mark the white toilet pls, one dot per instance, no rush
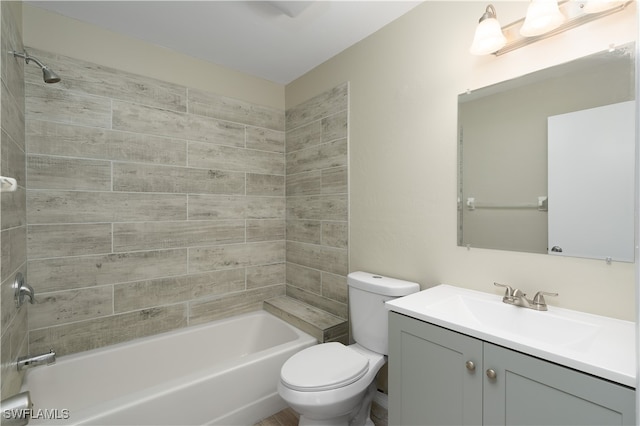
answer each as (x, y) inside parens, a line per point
(334, 384)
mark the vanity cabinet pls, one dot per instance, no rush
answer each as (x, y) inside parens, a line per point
(441, 377)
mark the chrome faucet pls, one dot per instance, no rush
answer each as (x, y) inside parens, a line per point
(518, 297)
(33, 361)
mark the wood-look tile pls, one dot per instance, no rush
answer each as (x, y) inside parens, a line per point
(322, 105)
(133, 177)
(307, 183)
(68, 273)
(328, 307)
(153, 121)
(204, 207)
(265, 230)
(68, 173)
(335, 126)
(13, 206)
(69, 306)
(261, 184)
(215, 106)
(68, 240)
(305, 278)
(318, 257)
(201, 311)
(335, 287)
(13, 159)
(202, 259)
(169, 290)
(335, 234)
(12, 117)
(61, 139)
(13, 251)
(266, 208)
(323, 207)
(265, 139)
(81, 206)
(327, 155)
(43, 102)
(265, 275)
(236, 159)
(335, 181)
(161, 235)
(303, 137)
(305, 231)
(85, 335)
(98, 80)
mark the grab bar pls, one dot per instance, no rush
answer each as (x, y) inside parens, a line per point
(541, 205)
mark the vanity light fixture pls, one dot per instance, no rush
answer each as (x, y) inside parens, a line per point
(488, 37)
(542, 17)
(597, 6)
(562, 16)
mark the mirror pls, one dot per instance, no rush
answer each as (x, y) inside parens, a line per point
(546, 161)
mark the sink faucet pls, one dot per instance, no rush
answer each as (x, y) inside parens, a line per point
(32, 361)
(518, 297)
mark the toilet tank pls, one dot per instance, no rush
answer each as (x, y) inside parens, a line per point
(369, 317)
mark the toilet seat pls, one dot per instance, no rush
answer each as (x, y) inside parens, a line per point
(323, 367)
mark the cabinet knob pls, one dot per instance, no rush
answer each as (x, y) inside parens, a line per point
(491, 373)
(471, 366)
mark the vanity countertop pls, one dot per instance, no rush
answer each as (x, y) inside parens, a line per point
(598, 345)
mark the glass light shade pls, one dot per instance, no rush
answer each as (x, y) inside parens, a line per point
(597, 6)
(488, 38)
(542, 16)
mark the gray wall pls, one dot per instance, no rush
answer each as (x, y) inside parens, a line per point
(13, 253)
(317, 200)
(151, 206)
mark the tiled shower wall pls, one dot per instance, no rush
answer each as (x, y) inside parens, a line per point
(150, 206)
(13, 219)
(317, 201)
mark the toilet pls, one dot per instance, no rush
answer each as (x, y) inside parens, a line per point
(334, 384)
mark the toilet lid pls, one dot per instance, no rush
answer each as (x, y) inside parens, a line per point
(323, 367)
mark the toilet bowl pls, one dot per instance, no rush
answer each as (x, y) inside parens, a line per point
(333, 384)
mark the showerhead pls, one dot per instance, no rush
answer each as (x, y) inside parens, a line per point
(47, 75)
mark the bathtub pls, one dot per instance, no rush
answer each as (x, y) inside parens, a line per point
(221, 373)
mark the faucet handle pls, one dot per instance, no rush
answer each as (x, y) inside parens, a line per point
(538, 299)
(508, 289)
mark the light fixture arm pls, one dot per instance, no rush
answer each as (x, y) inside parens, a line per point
(489, 13)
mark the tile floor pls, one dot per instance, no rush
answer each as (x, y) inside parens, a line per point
(288, 417)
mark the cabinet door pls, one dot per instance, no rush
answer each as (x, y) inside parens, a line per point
(530, 391)
(429, 382)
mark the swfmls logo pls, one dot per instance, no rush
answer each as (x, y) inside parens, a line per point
(44, 414)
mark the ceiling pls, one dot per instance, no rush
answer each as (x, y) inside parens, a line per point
(275, 40)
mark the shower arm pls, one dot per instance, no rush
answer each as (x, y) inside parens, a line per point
(28, 58)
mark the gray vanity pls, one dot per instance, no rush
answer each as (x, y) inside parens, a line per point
(461, 357)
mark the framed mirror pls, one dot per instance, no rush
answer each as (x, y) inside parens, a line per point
(546, 161)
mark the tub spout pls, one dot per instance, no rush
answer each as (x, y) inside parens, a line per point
(33, 361)
(16, 410)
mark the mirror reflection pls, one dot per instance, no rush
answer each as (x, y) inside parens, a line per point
(546, 160)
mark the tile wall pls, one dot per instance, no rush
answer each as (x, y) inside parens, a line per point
(151, 206)
(317, 201)
(13, 220)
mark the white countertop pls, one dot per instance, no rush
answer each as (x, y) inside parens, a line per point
(598, 345)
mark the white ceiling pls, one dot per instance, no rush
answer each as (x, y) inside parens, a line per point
(277, 41)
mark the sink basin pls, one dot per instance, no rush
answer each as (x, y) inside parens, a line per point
(544, 327)
(595, 344)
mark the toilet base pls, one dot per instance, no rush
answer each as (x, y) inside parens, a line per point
(360, 418)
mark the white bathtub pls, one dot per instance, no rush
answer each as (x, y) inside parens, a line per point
(222, 373)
